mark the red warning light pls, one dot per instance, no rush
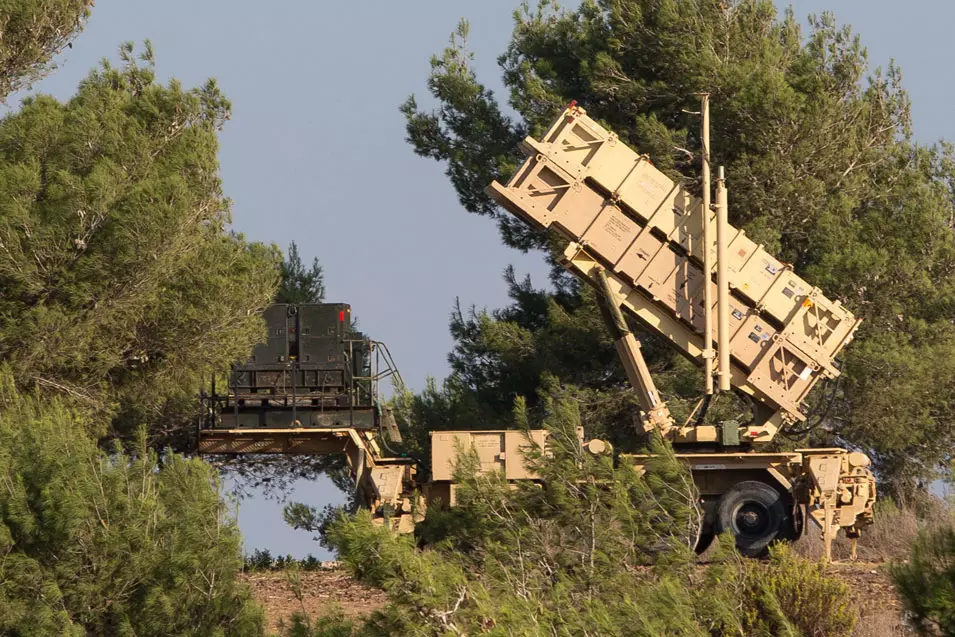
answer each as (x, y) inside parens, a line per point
(341, 316)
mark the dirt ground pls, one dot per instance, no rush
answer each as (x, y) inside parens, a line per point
(322, 590)
(880, 609)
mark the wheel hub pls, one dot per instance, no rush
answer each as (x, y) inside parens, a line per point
(751, 518)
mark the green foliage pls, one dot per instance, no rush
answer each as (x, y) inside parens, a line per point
(580, 497)
(110, 544)
(592, 549)
(263, 560)
(33, 32)
(792, 596)
(504, 355)
(333, 624)
(122, 284)
(821, 169)
(515, 559)
(260, 560)
(122, 287)
(300, 285)
(926, 582)
(469, 132)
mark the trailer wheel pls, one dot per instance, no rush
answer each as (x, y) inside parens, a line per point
(704, 541)
(754, 512)
(796, 523)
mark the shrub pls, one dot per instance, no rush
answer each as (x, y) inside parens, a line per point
(260, 560)
(110, 544)
(794, 596)
(926, 583)
(263, 560)
(330, 625)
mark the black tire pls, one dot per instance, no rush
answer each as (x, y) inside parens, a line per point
(756, 515)
(703, 542)
(796, 523)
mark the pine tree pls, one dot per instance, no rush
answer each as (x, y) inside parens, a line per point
(120, 283)
(123, 285)
(33, 32)
(300, 285)
(926, 581)
(110, 543)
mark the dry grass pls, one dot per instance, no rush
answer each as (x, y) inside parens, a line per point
(888, 539)
(890, 536)
(873, 594)
(883, 624)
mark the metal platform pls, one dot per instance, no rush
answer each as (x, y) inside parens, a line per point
(283, 441)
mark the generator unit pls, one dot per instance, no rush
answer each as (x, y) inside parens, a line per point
(313, 370)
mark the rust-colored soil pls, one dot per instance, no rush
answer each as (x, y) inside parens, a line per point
(870, 584)
(880, 611)
(322, 591)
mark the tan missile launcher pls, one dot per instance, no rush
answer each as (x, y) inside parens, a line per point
(647, 245)
(623, 216)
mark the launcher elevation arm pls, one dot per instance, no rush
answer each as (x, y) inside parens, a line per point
(656, 414)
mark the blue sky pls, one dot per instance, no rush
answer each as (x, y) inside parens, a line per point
(315, 150)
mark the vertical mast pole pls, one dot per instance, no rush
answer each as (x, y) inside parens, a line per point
(708, 248)
(722, 283)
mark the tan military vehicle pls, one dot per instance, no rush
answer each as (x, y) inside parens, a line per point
(669, 262)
